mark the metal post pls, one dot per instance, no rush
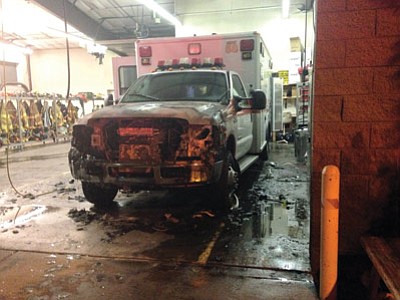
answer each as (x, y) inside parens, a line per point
(329, 232)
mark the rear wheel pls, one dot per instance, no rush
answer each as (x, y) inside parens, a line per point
(99, 194)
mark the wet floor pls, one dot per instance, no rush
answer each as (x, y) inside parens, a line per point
(167, 236)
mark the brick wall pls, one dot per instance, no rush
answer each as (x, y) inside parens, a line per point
(356, 116)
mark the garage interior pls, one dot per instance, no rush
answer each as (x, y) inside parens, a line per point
(159, 244)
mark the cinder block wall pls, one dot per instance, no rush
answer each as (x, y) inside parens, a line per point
(356, 121)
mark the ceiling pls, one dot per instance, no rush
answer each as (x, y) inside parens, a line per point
(40, 24)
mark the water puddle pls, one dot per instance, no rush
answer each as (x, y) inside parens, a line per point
(12, 216)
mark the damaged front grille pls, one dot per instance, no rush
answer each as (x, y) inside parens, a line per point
(149, 141)
(146, 151)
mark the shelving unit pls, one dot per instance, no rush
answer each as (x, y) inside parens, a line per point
(289, 106)
(277, 104)
(302, 104)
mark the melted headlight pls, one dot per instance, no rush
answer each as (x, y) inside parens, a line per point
(204, 133)
(200, 141)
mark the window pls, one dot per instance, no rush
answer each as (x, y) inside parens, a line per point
(238, 88)
(191, 85)
(10, 70)
(127, 75)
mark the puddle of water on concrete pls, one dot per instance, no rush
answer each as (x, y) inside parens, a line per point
(11, 216)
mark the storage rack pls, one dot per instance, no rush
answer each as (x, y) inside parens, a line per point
(303, 104)
(26, 118)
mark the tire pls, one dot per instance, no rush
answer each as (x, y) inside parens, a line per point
(99, 194)
(223, 191)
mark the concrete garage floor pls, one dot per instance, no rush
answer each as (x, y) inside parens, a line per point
(153, 245)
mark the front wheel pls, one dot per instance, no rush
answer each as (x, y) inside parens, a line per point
(223, 191)
(99, 194)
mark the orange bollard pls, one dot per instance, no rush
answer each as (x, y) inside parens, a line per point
(329, 232)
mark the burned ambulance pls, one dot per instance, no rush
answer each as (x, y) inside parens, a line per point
(190, 124)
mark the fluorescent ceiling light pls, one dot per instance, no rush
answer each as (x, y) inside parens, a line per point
(285, 8)
(96, 48)
(151, 4)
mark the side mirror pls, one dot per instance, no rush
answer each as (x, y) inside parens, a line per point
(241, 103)
(109, 101)
(259, 99)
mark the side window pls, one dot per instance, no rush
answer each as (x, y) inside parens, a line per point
(127, 75)
(238, 88)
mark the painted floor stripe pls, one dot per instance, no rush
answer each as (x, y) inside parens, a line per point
(203, 258)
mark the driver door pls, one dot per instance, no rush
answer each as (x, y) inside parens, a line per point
(244, 120)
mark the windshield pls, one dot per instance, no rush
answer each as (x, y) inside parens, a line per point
(204, 86)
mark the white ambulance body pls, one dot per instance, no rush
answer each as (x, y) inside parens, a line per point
(197, 116)
(244, 53)
(124, 73)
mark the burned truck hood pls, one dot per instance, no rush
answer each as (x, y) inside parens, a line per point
(194, 112)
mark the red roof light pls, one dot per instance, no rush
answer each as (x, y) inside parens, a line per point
(247, 45)
(219, 62)
(175, 62)
(145, 51)
(195, 62)
(194, 48)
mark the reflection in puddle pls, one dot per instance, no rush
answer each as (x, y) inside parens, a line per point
(274, 219)
(11, 216)
(276, 236)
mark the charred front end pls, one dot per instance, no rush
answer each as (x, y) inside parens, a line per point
(145, 152)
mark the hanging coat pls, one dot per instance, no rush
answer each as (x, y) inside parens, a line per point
(71, 113)
(5, 120)
(56, 116)
(24, 117)
(31, 117)
(39, 105)
(12, 113)
(46, 115)
(37, 120)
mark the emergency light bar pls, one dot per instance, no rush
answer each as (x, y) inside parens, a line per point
(193, 63)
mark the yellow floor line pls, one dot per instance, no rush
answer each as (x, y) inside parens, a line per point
(203, 258)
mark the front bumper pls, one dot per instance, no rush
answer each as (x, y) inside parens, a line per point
(137, 175)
